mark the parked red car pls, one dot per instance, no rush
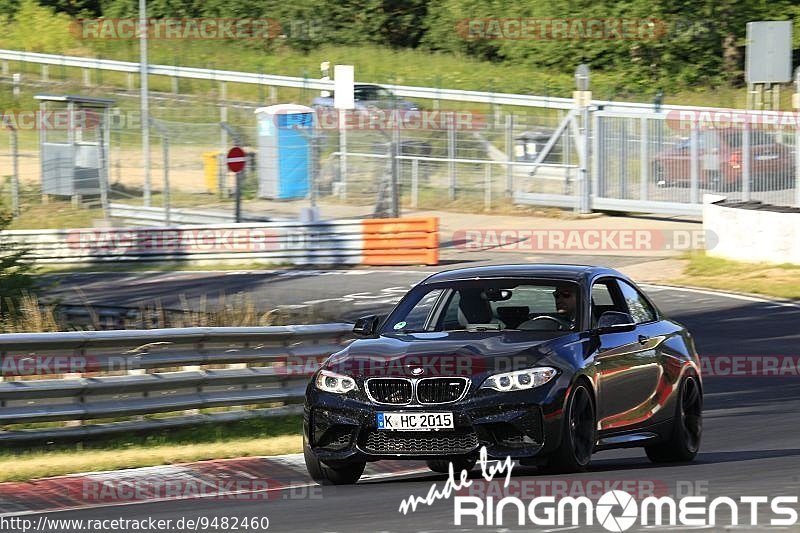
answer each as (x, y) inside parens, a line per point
(720, 157)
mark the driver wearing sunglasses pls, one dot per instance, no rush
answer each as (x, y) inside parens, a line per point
(566, 302)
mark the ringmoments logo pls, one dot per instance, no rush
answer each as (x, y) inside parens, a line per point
(618, 510)
(615, 510)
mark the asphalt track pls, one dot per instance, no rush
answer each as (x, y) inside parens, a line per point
(342, 294)
(751, 443)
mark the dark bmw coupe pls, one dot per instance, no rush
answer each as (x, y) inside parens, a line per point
(545, 364)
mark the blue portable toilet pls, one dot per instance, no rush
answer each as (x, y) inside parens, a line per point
(284, 151)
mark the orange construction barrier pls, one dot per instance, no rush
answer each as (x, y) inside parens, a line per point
(401, 241)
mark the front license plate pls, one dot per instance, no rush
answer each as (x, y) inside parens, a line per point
(415, 421)
(766, 157)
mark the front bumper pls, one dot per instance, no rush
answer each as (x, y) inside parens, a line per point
(518, 424)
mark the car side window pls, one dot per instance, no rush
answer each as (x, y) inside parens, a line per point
(417, 318)
(602, 300)
(638, 307)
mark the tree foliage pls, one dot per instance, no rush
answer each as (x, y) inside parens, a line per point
(16, 275)
(699, 41)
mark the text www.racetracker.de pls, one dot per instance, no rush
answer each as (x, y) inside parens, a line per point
(201, 523)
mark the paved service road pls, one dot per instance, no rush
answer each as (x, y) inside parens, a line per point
(751, 442)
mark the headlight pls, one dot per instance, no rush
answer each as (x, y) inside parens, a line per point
(335, 383)
(520, 379)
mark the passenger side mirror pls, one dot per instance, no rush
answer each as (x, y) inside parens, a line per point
(367, 325)
(614, 322)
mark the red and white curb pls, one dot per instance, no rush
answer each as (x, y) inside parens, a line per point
(256, 478)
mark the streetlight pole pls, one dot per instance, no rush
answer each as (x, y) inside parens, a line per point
(583, 99)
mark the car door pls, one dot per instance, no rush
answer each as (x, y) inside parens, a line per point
(627, 372)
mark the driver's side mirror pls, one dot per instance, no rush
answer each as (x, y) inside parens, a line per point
(367, 326)
(614, 322)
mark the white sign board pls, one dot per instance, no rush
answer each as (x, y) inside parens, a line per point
(769, 52)
(343, 78)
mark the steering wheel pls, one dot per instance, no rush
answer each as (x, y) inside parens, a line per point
(562, 323)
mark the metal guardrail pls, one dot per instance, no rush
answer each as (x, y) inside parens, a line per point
(522, 100)
(407, 241)
(88, 375)
(141, 214)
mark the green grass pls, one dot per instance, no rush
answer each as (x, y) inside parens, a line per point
(781, 281)
(253, 437)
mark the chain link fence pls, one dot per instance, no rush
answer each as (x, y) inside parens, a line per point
(432, 157)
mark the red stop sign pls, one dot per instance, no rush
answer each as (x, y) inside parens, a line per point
(236, 159)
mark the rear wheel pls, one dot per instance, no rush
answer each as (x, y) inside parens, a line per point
(579, 435)
(687, 432)
(459, 463)
(324, 474)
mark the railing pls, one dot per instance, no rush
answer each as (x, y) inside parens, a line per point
(88, 375)
(139, 215)
(407, 241)
(306, 83)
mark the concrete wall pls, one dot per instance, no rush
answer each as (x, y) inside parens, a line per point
(752, 235)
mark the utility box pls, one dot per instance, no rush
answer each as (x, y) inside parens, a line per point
(284, 151)
(74, 144)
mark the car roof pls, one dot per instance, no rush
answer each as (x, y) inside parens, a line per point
(576, 273)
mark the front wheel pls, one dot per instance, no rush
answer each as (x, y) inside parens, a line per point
(578, 434)
(684, 443)
(344, 474)
(459, 463)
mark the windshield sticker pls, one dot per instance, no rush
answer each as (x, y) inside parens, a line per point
(400, 325)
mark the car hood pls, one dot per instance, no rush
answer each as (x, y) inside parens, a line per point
(468, 354)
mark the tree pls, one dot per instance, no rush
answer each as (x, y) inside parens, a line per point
(16, 274)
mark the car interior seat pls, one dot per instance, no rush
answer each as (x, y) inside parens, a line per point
(474, 308)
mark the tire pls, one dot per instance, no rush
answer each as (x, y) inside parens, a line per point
(684, 443)
(579, 434)
(345, 474)
(442, 466)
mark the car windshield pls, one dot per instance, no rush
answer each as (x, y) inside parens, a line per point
(372, 93)
(489, 305)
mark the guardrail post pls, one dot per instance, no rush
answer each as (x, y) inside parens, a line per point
(15, 81)
(45, 74)
(131, 85)
(87, 77)
(5, 67)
